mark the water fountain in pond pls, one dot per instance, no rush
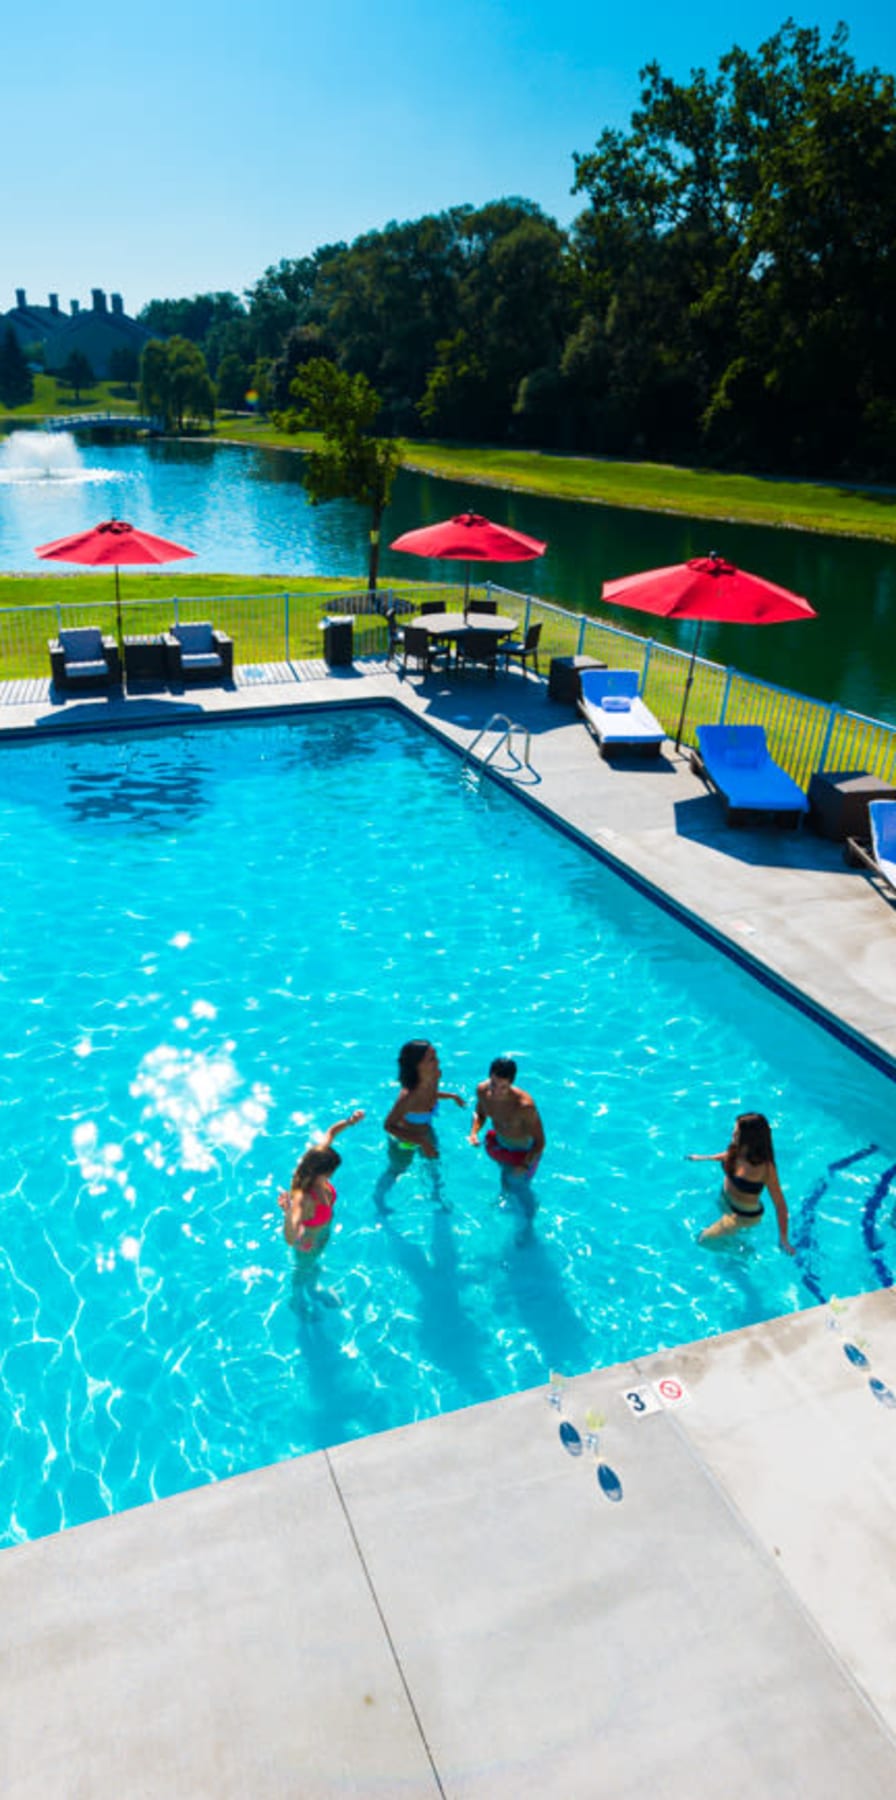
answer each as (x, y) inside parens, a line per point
(30, 456)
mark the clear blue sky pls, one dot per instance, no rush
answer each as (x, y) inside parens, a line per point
(167, 150)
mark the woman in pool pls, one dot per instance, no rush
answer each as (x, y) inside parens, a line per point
(308, 1204)
(410, 1122)
(748, 1166)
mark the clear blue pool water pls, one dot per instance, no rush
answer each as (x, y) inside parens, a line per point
(213, 942)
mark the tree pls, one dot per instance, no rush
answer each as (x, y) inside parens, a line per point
(739, 257)
(16, 381)
(352, 465)
(233, 382)
(175, 384)
(124, 365)
(77, 373)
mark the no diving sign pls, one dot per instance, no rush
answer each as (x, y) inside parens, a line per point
(656, 1396)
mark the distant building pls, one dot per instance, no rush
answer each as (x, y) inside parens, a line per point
(96, 333)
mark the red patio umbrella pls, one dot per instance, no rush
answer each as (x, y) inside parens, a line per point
(706, 587)
(470, 538)
(113, 542)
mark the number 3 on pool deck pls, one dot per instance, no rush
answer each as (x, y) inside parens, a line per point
(641, 1400)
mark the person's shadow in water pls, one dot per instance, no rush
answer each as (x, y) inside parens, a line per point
(338, 1394)
(535, 1287)
(449, 1339)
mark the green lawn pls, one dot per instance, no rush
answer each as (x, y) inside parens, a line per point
(53, 397)
(652, 487)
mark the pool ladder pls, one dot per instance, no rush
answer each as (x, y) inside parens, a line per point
(506, 737)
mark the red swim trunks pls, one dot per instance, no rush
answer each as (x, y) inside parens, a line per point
(509, 1159)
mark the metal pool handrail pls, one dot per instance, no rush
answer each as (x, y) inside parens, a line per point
(506, 738)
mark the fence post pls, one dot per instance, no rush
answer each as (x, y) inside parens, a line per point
(648, 649)
(176, 614)
(286, 623)
(527, 614)
(583, 626)
(729, 677)
(833, 715)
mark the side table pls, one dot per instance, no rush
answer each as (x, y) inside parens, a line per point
(838, 801)
(563, 682)
(145, 658)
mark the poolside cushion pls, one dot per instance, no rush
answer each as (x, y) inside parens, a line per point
(882, 820)
(737, 764)
(614, 712)
(196, 640)
(83, 644)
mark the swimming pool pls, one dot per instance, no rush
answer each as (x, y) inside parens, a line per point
(214, 941)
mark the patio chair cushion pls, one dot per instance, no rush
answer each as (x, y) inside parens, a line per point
(616, 703)
(83, 644)
(196, 640)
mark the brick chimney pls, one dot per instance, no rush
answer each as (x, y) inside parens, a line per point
(54, 303)
(99, 300)
(21, 302)
(118, 305)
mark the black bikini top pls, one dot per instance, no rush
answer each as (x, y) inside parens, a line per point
(744, 1186)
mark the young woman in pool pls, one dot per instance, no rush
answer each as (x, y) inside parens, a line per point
(308, 1204)
(748, 1166)
(410, 1121)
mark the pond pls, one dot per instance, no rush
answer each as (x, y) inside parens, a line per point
(244, 510)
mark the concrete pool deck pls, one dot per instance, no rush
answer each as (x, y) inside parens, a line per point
(456, 1607)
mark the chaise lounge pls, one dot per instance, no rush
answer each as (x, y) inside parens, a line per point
(615, 714)
(198, 652)
(881, 858)
(735, 760)
(82, 658)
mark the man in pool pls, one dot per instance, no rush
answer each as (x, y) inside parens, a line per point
(516, 1138)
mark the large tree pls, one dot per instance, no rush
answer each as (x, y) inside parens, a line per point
(353, 464)
(175, 385)
(738, 258)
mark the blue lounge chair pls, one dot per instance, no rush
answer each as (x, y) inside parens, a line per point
(736, 762)
(881, 858)
(614, 712)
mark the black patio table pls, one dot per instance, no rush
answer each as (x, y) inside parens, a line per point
(447, 627)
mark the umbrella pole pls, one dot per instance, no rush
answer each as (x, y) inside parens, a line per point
(118, 611)
(687, 685)
(466, 592)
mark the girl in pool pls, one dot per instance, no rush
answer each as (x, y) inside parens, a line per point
(410, 1122)
(308, 1204)
(748, 1166)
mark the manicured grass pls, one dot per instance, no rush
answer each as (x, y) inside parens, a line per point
(651, 487)
(53, 397)
(660, 487)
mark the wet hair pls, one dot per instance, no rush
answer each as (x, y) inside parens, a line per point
(504, 1067)
(314, 1162)
(410, 1056)
(751, 1140)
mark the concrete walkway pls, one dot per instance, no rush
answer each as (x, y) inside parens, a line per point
(457, 1607)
